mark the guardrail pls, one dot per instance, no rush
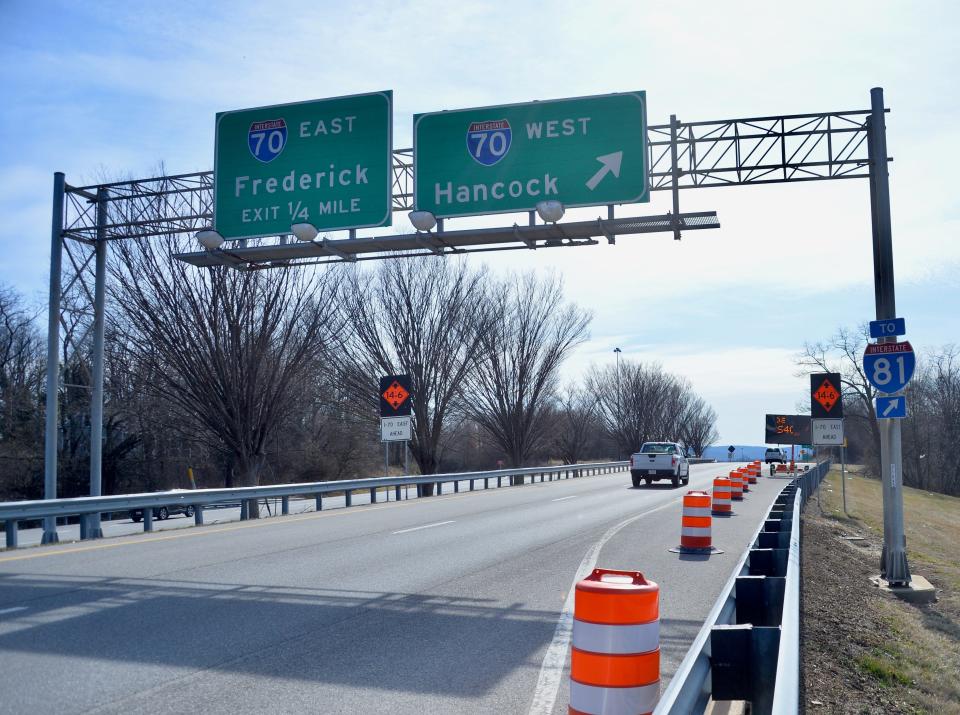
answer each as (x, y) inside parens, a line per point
(84, 507)
(749, 646)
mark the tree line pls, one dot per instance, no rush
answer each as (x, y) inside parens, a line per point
(930, 433)
(222, 377)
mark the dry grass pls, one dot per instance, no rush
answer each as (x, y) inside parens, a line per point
(919, 657)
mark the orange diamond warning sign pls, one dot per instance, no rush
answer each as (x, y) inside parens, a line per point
(825, 398)
(395, 396)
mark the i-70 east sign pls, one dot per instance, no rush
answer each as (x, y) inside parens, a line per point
(327, 162)
(583, 151)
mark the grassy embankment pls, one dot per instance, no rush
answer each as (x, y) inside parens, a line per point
(922, 655)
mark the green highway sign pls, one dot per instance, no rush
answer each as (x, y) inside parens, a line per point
(327, 162)
(582, 151)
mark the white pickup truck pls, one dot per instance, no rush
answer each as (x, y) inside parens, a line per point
(660, 460)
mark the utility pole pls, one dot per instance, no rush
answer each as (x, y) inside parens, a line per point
(893, 559)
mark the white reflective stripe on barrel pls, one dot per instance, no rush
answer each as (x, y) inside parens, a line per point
(721, 500)
(696, 511)
(694, 531)
(614, 701)
(601, 638)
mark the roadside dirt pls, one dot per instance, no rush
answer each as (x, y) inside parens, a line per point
(865, 651)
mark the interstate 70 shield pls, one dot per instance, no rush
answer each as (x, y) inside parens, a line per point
(489, 142)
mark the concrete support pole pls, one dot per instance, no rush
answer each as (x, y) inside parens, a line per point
(893, 567)
(94, 531)
(53, 358)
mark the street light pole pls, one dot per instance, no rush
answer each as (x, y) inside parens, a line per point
(617, 352)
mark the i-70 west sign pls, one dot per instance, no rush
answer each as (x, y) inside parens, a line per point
(583, 151)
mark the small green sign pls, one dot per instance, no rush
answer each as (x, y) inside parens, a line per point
(325, 162)
(583, 151)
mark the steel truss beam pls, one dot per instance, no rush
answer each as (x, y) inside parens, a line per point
(727, 152)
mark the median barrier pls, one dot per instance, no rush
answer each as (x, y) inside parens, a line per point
(615, 651)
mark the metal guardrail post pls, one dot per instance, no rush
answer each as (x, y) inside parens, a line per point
(319, 502)
(284, 505)
(198, 514)
(397, 493)
(11, 530)
(373, 495)
(148, 519)
(348, 497)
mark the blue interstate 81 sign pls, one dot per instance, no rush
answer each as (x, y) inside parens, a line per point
(889, 366)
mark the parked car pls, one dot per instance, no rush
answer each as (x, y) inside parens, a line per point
(775, 455)
(660, 460)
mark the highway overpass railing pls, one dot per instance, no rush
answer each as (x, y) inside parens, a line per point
(749, 646)
(11, 513)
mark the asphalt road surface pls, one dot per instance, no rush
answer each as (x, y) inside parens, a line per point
(439, 605)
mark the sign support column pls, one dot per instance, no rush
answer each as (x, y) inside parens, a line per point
(94, 530)
(893, 560)
(53, 358)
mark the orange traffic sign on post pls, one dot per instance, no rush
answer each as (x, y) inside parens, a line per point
(826, 400)
(395, 396)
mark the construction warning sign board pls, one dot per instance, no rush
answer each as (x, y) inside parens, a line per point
(395, 396)
(787, 429)
(826, 400)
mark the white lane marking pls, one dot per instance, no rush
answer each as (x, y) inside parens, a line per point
(551, 671)
(13, 610)
(565, 498)
(425, 526)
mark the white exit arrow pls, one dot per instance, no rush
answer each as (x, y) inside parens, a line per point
(611, 163)
(891, 406)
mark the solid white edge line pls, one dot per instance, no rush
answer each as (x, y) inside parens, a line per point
(13, 610)
(551, 670)
(425, 526)
(572, 496)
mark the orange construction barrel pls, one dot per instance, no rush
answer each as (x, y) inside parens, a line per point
(744, 479)
(615, 658)
(736, 486)
(722, 493)
(695, 521)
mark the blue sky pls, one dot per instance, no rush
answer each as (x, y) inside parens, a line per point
(114, 89)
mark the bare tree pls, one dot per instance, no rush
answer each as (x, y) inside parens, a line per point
(640, 403)
(843, 353)
(21, 388)
(425, 318)
(575, 424)
(521, 354)
(698, 429)
(932, 431)
(227, 348)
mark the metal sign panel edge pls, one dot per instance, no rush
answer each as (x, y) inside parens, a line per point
(640, 94)
(387, 94)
